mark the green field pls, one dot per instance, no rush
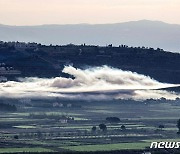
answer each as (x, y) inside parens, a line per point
(16, 150)
(45, 130)
(109, 147)
(25, 127)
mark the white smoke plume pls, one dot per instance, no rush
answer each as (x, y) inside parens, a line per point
(97, 83)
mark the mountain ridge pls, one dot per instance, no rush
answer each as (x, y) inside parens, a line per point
(136, 33)
(115, 23)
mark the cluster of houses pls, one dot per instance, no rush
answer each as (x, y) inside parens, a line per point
(65, 119)
(20, 45)
(7, 70)
(60, 105)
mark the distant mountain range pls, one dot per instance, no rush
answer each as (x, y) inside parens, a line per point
(136, 33)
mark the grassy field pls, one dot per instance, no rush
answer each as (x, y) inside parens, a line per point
(16, 150)
(108, 147)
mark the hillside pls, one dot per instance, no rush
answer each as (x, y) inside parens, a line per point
(48, 61)
(136, 33)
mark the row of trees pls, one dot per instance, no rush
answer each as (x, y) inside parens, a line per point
(7, 107)
(103, 127)
(178, 126)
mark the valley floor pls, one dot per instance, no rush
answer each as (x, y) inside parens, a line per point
(38, 129)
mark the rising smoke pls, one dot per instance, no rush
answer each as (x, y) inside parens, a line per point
(97, 83)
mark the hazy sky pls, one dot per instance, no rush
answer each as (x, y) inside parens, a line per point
(36, 12)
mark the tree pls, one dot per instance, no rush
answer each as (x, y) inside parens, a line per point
(16, 137)
(161, 126)
(103, 127)
(93, 128)
(123, 127)
(178, 126)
